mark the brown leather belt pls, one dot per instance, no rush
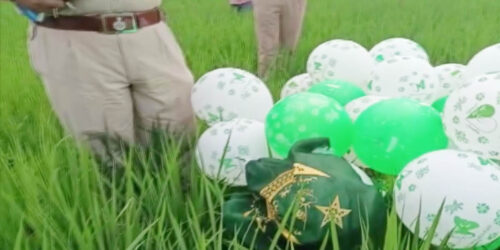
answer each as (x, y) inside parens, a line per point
(107, 23)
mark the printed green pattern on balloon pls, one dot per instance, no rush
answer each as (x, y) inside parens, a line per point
(422, 172)
(213, 117)
(317, 65)
(497, 219)
(484, 162)
(454, 207)
(463, 226)
(244, 150)
(238, 76)
(228, 164)
(483, 111)
(421, 85)
(399, 181)
(482, 208)
(431, 217)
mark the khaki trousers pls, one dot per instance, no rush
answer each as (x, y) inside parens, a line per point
(278, 24)
(119, 85)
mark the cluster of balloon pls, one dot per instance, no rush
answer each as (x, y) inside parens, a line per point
(227, 93)
(468, 195)
(411, 120)
(235, 104)
(465, 186)
(390, 110)
(308, 115)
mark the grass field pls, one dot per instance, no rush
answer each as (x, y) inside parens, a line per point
(53, 196)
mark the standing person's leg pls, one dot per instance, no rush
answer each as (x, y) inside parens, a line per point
(161, 91)
(86, 84)
(161, 81)
(267, 27)
(291, 22)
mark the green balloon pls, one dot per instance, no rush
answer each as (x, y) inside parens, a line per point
(305, 116)
(391, 133)
(439, 104)
(341, 91)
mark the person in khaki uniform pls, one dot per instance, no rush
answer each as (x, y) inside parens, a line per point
(111, 67)
(278, 24)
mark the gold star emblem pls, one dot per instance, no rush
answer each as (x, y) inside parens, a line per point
(333, 212)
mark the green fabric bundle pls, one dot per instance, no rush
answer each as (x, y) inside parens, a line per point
(305, 193)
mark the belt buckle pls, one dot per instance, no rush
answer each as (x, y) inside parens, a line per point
(119, 24)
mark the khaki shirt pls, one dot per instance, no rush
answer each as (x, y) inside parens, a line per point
(84, 7)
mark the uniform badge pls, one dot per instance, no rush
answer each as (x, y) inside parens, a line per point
(119, 24)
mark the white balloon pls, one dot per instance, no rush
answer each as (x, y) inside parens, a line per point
(407, 77)
(227, 93)
(451, 77)
(468, 185)
(395, 47)
(340, 60)
(485, 62)
(471, 116)
(225, 148)
(296, 84)
(354, 108)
